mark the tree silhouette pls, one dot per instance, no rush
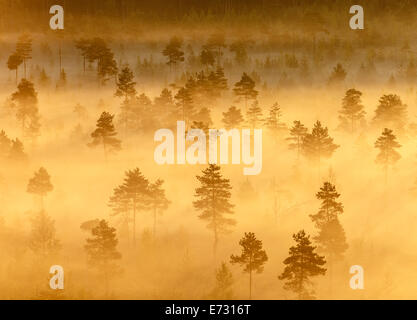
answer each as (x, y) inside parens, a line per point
(224, 282)
(24, 49)
(102, 251)
(132, 195)
(232, 118)
(252, 257)
(207, 58)
(387, 143)
(273, 121)
(165, 101)
(297, 134)
(125, 84)
(239, 49)
(96, 49)
(184, 103)
(330, 208)
(173, 52)
(391, 112)
(43, 78)
(17, 153)
(331, 238)
(106, 66)
(254, 115)
(42, 238)
(318, 144)
(5, 145)
(157, 201)
(14, 62)
(338, 75)
(302, 264)
(83, 45)
(40, 184)
(352, 110)
(216, 43)
(245, 88)
(105, 134)
(27, 109)
(218, 81)
(213, 201)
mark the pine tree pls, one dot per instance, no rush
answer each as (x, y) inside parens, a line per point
(80, 111)
(302, 264)
(318, 144)
(297, 134)
(232, 118)
(27, 108)
(184, 103)
(121, 208)
(40, 184)
(253, 257)
(207, 58)
(125, 84)
(43, 78)
(42, 238)
(14, 62)
(245, 89)
(213, 201)
(219, 80)
(224, 282)
(173, 52)
(254, 115)
(157, 201)
(338, 75)
(24, 49)
(5, 145)
(102, 251)
(165, 102)
(133, 195)
(17, 153)
(105, 134)
(106, 66)
(330, 208)
(391, 112)
(239, 49)
(83, 45)
(387, 156)
(331, 238)
(273, 121)
(215, 43)
(352, 110)
(332, 241)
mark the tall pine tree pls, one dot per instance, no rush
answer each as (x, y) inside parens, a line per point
(213, 201)
(105, 134)
(302, 264)
(252, 258)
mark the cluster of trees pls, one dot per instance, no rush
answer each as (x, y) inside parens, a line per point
(97, 50)
(213, 201)
(22, 53)
(137, 194)
(188, 99)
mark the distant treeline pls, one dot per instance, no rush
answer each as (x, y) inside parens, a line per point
(25, 13)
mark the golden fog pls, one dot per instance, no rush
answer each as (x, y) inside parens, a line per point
(292, 63)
